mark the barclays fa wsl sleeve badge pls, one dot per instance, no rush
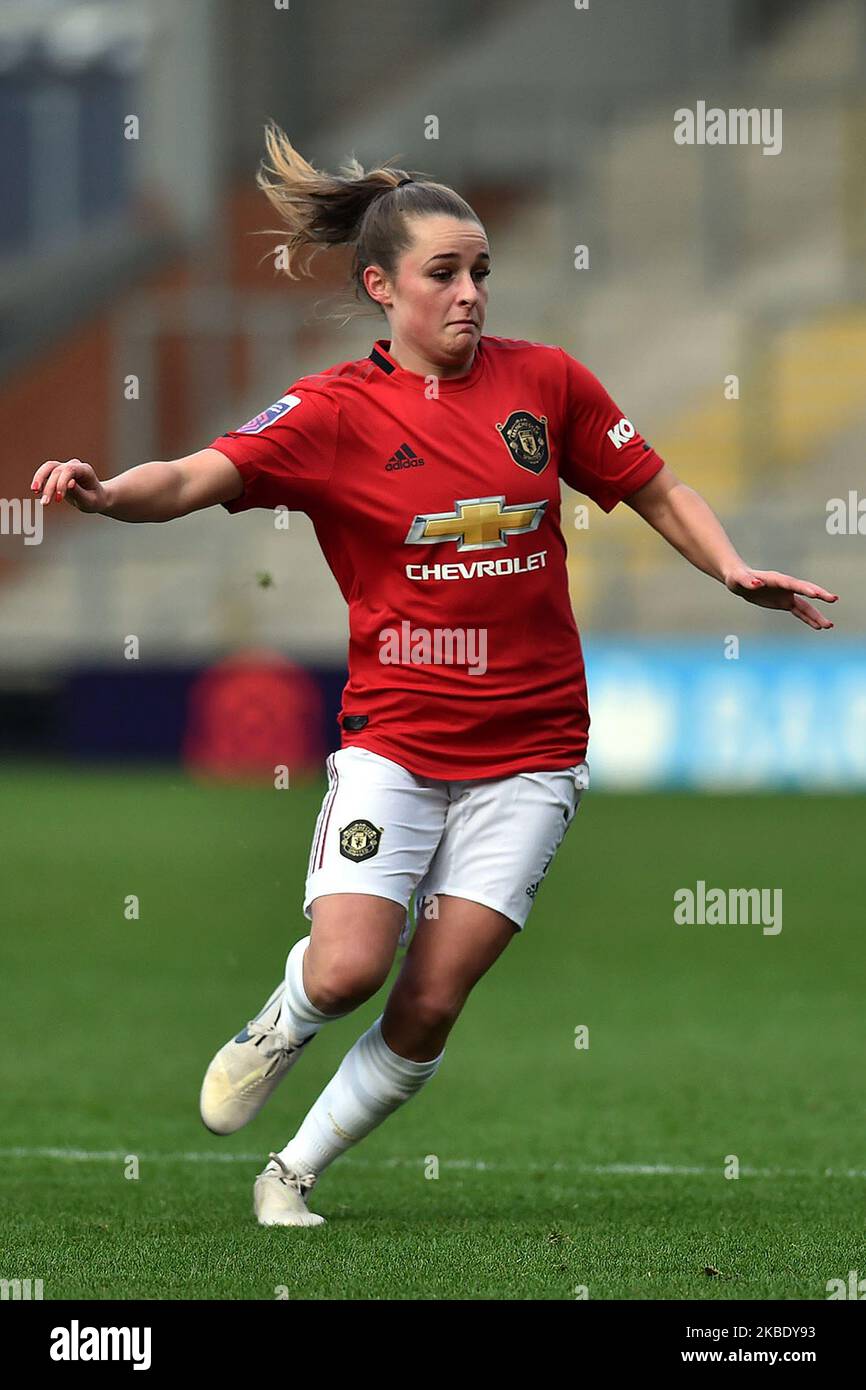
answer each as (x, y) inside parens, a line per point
(359, 840)
(525, 437)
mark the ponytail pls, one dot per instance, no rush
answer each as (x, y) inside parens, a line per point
(367, 210)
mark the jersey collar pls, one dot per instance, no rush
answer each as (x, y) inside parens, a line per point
(382, 357)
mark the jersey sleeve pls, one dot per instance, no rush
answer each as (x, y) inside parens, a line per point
(602, 455)
(286, 454)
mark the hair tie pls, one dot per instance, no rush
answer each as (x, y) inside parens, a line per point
(402, 181)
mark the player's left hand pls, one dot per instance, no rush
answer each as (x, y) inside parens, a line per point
(773, 590)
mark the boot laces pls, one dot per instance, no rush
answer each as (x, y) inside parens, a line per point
(269, 1040)
(301, 1182)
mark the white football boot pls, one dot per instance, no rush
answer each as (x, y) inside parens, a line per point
(247, 1070)
(280, 1196)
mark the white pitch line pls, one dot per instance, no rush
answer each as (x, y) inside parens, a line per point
(479, 1165)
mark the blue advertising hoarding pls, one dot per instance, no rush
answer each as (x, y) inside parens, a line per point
(670, 712)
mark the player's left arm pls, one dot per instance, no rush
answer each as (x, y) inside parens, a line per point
(690, 525)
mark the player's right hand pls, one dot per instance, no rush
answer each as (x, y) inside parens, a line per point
(73, 480)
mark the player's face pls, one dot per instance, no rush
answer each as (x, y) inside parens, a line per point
(438, 302)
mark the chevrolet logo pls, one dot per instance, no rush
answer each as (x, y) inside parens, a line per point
(478, 523)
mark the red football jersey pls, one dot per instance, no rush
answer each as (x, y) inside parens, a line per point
(436, 502)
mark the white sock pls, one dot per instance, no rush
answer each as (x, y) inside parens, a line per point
(370, 1083)
(299, 1018)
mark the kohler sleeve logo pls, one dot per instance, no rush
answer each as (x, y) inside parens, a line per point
(621, 433)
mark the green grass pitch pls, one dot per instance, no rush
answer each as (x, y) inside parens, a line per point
(559, 1169)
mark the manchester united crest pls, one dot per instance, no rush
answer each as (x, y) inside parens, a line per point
(525, 437)
(359, 840)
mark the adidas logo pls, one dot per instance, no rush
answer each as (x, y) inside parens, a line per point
(405, 457)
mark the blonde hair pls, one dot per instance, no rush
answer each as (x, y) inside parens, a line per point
(367, 210)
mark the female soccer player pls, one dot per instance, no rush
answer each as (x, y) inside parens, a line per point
(430, 470)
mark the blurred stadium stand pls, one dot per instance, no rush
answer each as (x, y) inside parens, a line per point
(126, 258)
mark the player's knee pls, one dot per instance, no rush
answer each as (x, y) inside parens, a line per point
(427, 1010)
(340, 986)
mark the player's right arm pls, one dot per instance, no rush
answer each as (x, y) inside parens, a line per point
(150, 492)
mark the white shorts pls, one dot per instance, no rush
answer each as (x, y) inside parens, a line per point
(386, 831)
